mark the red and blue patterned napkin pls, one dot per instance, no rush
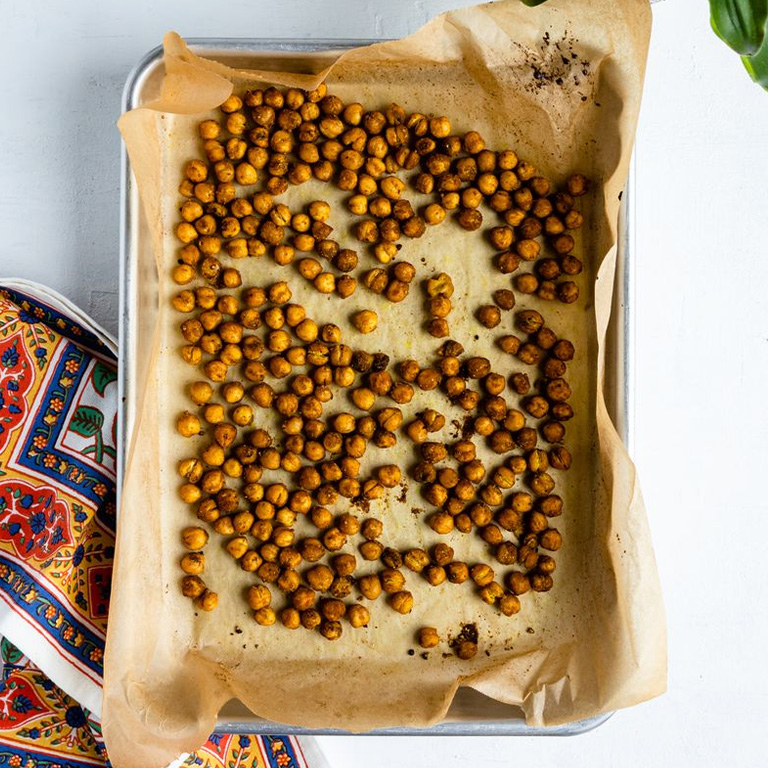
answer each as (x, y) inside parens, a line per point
(58, 451)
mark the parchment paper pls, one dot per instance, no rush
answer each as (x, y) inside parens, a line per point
(560, 84)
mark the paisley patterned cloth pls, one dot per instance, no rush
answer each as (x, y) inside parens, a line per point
(58, 451)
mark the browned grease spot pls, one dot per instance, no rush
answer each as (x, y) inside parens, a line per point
(468, 631)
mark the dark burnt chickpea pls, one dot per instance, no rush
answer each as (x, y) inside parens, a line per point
(563, 350)
(562, 411)
(567, 292)
(570, 265)
(560, 458)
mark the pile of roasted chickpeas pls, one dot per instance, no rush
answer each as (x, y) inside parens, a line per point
(256, 350)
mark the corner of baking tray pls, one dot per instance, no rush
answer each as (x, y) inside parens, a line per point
(132, 82)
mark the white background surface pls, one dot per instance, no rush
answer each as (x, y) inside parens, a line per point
(702, 339)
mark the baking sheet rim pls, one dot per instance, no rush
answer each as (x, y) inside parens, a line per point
(618, 360)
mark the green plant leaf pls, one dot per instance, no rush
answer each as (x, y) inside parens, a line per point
(103, 376)
(740, 23)
(10, 653)
(532, 3)
(757, 65)
(87, 421)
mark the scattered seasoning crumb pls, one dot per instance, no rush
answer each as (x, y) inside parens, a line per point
(403, 492)
(411, 652)
(530, 630)
(425, 655)
(238, 631)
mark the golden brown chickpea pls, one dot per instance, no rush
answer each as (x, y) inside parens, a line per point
(358, 616)
(331, 630)
(441, 522)
(208, 601)
(457, 572)
(551, 539)
(310, 618)
(265, 617)
(192, 470)
(489, 316)
(192, 586)
(428, 637)
(518, 583)
(376, 280)
(466, 649)
(369, 586)
(194, 538)
(325, 282)
(319, 577)
(529, 321)
(184, 301)
(491, 593)
(188, 425)
(363, 398)
(237, 546)
(541, 582)
(193, 563)
(402, 602)
(389, 476)
(440, 127)
(509, 604)
(371, 550)
(481, 574)
(365, 321)
(470, 219)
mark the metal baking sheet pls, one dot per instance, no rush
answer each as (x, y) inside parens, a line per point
(471, 713)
